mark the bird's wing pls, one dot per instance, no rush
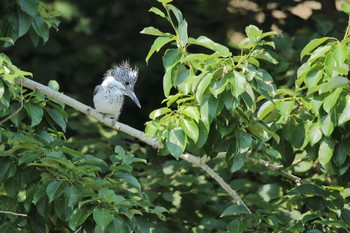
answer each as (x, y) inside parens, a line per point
(96, 89)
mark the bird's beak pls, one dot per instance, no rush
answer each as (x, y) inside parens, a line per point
(132, 95)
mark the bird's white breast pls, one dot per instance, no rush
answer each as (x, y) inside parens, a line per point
(109, 98)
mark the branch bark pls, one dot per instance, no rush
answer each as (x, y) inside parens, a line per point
(89, 111)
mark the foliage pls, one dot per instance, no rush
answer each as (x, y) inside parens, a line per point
(217, 99)
(21, 17)
(216, 102)
(46, 185)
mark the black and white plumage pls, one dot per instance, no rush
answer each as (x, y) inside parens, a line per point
(118, 82)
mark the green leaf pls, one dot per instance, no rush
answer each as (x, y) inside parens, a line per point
(129, 179)
(55, 189)
(333, 83)
(176, 12)
(308, 189)
(4, 167)
(339, 53)
(24, 22)
(253, 33)
(325, 151)
(237, 226)
(102, 217)
(345, 213)
(167, 81)
(157, 45)
(331, 100)
(57, 118)
(208, 43)
(313, 77)
(328, 124)
(233, 210)
(312, 45)
(7, 39)
(176, 142)
(154, 32)
(190, 128)
(171, 57)
(40, 28)
(28, 157)
(108, 195)
(202, 86)
(182, 30)
(218, 87)
(159, 112)
(238, 84)
(78, 218)
(315, 134)
(73, 195)
(265, 84)
(165, 1)
(236, 162)
(345, 115)
(30, 7)
(156, 11)
(35, 113)
(2, 88)
(191, 112)
(265, 109)
(243, 141)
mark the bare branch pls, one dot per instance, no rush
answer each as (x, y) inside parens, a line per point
(128, 130)
(12, 213)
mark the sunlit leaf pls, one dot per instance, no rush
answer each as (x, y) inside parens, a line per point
(157, 45)
(238, 84)
(208, 43)
(190, 128)
(183, 32)
(176, 142)
(154, 32)
(234, 209)
(253, 33)
(156, 11)
(345, 115)
(331, 100)
(312, 45)
(335, 82)
(325, 151)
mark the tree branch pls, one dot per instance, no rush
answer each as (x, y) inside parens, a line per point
(197, 161)
(269, 166)
(12, 213)
(47, 91)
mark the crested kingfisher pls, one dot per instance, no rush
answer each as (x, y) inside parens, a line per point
(118, 82)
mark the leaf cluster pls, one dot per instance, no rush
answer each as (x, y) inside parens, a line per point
(22, 17)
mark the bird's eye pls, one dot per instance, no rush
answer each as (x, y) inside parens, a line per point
(127, 83)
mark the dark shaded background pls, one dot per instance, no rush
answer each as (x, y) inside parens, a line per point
(94, 35)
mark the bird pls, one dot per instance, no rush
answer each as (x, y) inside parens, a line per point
(118, 82)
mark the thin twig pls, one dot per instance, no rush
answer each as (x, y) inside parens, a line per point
(12, 213)
(278, 169)
(128, 130)
(270, 166)
(20, 107)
